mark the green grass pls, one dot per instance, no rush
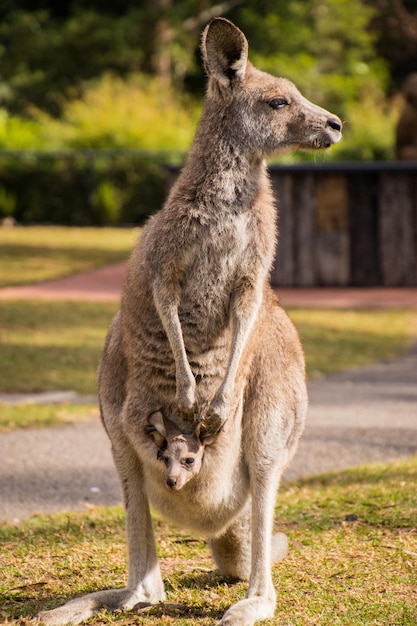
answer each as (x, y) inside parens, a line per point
(56, 345)
(338, 572)
(43, 415)
(337, 340)
(36, 253)
(46, 346)
(51, 345)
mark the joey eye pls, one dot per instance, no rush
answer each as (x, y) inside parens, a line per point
(278, 103)
(189, 461)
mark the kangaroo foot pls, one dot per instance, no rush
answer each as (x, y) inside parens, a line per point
(248, 611)
(80, 609)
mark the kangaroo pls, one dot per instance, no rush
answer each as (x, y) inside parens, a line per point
(200, 337)
(181, 453)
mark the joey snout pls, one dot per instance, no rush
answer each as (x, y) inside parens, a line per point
(179, 472)
(182, 457)
(174, 481)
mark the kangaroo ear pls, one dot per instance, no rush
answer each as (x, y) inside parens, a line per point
(225, 51)
(156, 429)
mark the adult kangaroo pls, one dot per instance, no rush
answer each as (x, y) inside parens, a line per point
(200, 337)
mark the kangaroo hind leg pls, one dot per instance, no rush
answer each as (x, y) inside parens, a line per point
(145, 582)
(232, 549)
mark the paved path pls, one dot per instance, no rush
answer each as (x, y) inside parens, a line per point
(105, 285)
(369, 414)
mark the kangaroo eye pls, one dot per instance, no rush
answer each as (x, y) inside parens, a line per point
(189, 461)
(278, 103)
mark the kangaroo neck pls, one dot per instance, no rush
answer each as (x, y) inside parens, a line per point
(218, 175)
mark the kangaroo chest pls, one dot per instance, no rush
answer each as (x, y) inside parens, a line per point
(212, 269)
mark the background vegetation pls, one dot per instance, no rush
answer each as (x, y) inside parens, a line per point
(83, 75)
(128, 73)
(82, 188)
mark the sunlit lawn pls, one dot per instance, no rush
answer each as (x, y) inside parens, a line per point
(57, 345)
(36, 253)
(361, 571)
(335, 340)
(51, 345)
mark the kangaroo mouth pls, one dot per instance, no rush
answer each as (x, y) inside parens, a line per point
(326, 140)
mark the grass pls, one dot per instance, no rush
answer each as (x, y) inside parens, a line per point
(338, 572)
(339, 340)
(43, 415)
(51, 345)
(36, 253)
(47, 346)
(56, 345)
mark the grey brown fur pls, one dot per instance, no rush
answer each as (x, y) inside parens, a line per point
(200, 337)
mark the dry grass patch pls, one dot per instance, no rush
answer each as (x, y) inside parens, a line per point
(352, 560)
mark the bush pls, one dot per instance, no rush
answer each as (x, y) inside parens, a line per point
(369, 131)
(19, 134)
(81, 187)
(138, 113)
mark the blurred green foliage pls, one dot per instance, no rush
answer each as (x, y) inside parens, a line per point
(138, 113)
(73, 75)
(127, 74)
(324, 46)
(82, 187)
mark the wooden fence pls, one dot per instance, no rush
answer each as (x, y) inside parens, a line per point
(346, 224)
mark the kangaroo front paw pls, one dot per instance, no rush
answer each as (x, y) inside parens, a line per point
(217, 415)
(186, 401)
(186, 409)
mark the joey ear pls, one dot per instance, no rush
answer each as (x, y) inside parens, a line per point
(156, 428)
(225, 51)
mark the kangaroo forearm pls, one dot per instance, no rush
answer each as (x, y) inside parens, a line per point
(168, 312)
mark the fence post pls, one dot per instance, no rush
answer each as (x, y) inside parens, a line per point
(397, 210)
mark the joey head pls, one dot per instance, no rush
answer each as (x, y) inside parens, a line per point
(182, 453)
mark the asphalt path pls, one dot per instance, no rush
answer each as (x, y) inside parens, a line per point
(366, 415)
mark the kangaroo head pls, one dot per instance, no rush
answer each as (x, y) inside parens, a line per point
(267, 114)
(182, 453)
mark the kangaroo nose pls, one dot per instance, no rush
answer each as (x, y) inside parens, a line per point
(171, 482)
(335, 124)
